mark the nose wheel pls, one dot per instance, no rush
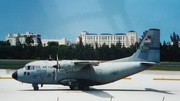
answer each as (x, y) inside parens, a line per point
(35, 86)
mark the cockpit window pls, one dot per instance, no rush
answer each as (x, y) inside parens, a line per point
(31, 67)
(28, 73)
(28, 67)
(24, 73)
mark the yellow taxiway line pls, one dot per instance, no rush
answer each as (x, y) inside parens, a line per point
(177, 79)
(126, 78)
(5, 77)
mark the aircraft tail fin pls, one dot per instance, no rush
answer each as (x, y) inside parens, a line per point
(149, 49)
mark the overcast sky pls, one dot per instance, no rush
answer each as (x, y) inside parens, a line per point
(68, 18)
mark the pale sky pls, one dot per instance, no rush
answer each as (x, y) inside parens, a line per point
(68, 18)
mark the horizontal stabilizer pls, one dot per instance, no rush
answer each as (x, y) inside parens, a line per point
(149, 63)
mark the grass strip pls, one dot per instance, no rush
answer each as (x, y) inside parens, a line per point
(11, 66)
(167, 68)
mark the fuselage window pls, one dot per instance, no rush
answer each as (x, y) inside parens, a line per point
(28, 67)
(28, 73)
(24, 73)
(32, 67)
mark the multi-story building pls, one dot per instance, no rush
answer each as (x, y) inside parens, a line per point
(63, 41)
(126, 40)
(131, 38)
(18, 38)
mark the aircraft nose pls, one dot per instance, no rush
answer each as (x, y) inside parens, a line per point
(15, 75)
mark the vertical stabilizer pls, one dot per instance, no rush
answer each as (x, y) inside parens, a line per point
(149, 49)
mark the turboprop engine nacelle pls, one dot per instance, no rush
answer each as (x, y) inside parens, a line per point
(68, 66)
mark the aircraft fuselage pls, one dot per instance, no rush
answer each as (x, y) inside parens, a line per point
(89, 76)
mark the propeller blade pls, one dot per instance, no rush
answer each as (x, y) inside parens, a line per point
(55, 72)
(57, 62)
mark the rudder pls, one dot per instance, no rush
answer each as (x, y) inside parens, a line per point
(149, 49)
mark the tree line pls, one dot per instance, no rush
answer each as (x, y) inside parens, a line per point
(168, 52)
(79, 51)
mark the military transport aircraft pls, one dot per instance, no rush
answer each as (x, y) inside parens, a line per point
(80, 74)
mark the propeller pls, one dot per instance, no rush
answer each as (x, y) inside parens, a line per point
(55, 73)
(57, 62)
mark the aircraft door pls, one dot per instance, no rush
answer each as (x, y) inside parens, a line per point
(99, 73)
(86, 74)
(42, 75)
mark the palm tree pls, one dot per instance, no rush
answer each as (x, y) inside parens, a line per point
(29, 40)
(39, 41)
(175, 39)
(174, 50)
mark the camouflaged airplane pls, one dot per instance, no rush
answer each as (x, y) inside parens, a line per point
(80, 74)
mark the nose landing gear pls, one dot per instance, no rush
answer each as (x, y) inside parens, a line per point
(35, 86)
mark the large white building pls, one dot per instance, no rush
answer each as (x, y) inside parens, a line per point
(18, 38)
(131, 38)
(127, 39)
(63, 41)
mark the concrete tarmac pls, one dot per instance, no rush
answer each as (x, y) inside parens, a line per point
(141, 87)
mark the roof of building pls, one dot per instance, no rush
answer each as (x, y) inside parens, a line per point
(91, 34)
(154, 29)
(131, 31)
(120, 34)
(105, 34)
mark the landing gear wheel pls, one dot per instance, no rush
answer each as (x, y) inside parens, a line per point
(71, 87)
(79, 87)
(85, 88)
(35, 86)
(74, 87)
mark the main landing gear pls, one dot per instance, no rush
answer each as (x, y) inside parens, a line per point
(76, 87)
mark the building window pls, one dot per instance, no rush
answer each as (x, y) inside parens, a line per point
(104, 37)
(118, 37)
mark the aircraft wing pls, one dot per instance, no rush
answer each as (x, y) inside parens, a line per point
(84, 63)
(77, 65)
